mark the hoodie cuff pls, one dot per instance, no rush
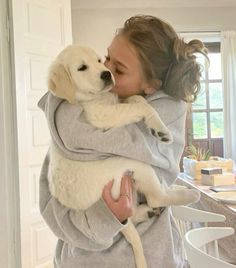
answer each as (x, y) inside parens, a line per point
(103, 223)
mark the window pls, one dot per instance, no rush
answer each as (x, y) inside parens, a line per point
(207, 111)
(205, 126)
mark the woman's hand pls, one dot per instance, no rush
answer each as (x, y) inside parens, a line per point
(122, 208)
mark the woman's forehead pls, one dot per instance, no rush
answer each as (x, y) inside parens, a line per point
(122, 51)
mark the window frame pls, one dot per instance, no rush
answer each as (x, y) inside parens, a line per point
(214, 144)
(213, 47)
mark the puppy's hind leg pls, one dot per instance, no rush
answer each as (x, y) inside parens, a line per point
(180, 197)
(156, 194)
(141, 213)
(148, 183)
(132, 236)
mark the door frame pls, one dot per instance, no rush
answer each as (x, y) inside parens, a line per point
(9, 171)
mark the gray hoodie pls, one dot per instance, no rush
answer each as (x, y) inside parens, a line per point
(91, 238)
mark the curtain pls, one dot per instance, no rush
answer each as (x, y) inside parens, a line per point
(228, 54)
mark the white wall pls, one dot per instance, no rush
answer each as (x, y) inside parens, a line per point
(96, 26)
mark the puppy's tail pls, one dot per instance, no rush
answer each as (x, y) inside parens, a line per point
(132, 236)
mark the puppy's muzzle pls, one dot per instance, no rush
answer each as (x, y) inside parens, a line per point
(106, 77)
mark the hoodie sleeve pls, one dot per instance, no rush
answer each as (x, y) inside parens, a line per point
(133, 141)
(173, 114)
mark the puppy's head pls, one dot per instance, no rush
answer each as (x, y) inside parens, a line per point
(78, 74)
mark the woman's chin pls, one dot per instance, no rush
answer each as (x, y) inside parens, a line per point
(115, 91)
(121, 94)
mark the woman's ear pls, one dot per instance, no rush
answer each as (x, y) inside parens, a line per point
(149, 90)
(156, 85)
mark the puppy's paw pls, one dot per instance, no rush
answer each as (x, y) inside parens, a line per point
(159, 130)
(135, 99)
(142, 213)
(155, 212)
(195, 196)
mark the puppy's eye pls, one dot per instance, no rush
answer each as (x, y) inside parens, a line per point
(99, 60)
(82, 67)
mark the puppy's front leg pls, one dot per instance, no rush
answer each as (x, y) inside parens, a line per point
(152, 119)
(116, 115)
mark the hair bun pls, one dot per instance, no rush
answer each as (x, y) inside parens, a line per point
(184, 51)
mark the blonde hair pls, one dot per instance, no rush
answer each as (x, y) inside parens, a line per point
(164, 56)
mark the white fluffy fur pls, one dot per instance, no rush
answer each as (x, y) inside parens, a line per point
(77, 184)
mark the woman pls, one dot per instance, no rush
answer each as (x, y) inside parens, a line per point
(146, 57)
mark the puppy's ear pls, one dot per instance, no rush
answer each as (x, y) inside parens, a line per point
(60, 82)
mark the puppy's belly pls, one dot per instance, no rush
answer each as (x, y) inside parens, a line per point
(79, 184)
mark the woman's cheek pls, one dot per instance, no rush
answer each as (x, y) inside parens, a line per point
(118, 82)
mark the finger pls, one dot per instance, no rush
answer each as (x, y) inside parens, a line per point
(123, 185)
(129, 181)
(130, 184)
(126, 206)
(130, 189)
(130, 193)
(106, 194)
(107, 188)
(124, 188)
(126, 191)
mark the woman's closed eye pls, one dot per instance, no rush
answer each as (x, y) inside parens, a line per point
(118, 71)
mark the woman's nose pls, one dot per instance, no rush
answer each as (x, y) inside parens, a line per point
(108, 65)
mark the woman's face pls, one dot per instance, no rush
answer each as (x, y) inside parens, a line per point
(122, 60)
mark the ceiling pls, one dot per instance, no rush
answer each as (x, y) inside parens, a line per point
(151, 3)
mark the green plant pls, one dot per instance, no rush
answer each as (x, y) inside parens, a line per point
(197, 153)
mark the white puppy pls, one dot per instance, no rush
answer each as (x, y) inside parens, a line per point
(79, 76)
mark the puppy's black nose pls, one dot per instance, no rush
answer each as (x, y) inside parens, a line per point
(105, 76)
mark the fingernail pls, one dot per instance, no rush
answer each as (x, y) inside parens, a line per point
(128, 173)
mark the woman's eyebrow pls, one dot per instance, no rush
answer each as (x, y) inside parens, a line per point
(117, 61)
(120, 63)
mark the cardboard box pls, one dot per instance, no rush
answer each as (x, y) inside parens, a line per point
(192, 167)
(218, 179)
